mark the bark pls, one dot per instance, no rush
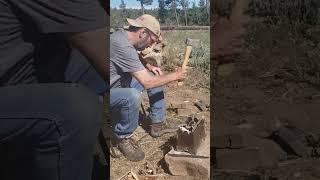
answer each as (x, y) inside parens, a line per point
(175, 11)
(185, 16)
(142, 8)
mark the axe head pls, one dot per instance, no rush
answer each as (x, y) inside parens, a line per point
(195, 43)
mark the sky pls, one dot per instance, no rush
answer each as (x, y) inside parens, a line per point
(134, 4)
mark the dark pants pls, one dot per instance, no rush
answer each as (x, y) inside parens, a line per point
(52, 126)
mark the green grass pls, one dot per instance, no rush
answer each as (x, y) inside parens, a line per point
(176, 47)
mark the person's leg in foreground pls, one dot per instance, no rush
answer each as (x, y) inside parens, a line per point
(58, 123)
(124, 106)
(80, 71)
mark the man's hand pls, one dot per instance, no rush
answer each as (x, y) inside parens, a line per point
(155, 70)
(181, 74)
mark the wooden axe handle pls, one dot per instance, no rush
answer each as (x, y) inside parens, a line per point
(185, 61)
(186, 57)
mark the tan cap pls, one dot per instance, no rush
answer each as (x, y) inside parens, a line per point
(148, 22)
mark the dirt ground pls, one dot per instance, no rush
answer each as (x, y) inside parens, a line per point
(195, 87)
(251, 102)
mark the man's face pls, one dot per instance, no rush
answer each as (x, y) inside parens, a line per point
(146, 39)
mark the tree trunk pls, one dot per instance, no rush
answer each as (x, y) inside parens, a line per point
(185, 16)
(177, 18)
(175, 12)
(142, 8)
(208, 8)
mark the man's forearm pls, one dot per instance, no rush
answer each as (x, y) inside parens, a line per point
(157, 81)
(94, 45)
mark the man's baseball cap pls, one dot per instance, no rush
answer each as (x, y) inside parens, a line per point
(147, 21)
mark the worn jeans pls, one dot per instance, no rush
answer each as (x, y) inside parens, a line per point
(125, 104)
(54, 126)
(79, 70)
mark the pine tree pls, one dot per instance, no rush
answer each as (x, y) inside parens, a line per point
(162, 11)
(202, 3)
(194, 14)
(174, 6)
(185, 4)
(144, 2)
(203, 16)
(122, 7)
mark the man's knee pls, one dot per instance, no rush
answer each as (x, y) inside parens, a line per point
(124, 98)
(80, 109)
(134, 97)
(68, 104)
(91, 112)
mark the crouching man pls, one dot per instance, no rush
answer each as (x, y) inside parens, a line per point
(129, 77)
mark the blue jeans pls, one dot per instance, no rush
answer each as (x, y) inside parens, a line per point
(125, 104)
(79, 70)
(54, 126)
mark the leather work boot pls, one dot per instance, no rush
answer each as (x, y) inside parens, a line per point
(159, 129)
(130, 149)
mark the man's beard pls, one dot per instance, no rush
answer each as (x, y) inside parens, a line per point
(142, 44)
